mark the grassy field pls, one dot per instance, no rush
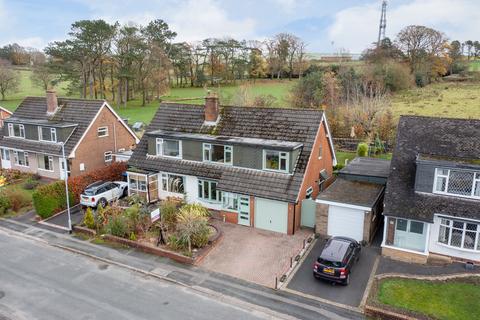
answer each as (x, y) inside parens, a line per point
(474, 65)
(457, 100)
(439, 300)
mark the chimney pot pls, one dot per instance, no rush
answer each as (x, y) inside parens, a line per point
(211, 107)
(52, 101)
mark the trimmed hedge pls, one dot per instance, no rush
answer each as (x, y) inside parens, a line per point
(50, 198)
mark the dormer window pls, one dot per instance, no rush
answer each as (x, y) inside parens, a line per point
(217, 153)
(275, 160)
(169, 148)
(461, 183)
(47, 134)
(16, 130)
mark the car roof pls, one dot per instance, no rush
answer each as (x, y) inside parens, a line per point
(335, 249)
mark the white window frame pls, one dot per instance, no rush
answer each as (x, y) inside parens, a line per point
(281, 155)
(50, 163)
(53, 134)
(137, 185)
(164, 177)
(16, 158)
(207, 153)
(102, 129)
(449, 225)
(201, 187)
(438, 175)
(108, 156)
(159, 148)
(230, 198)
(11, 130)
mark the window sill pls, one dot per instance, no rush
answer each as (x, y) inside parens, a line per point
(456, 195)
(40, 169)
(21, 165)
(423, 253)
(457, 248)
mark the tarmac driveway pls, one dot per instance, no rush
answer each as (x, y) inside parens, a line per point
(351, 295)
(252, 254)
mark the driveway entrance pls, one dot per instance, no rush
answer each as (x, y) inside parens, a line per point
(252, 254)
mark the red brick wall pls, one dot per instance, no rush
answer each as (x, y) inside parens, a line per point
(92, 148)
(3, 115)
(291, 214)
(231, 217)
(314, 166)
(252, 211)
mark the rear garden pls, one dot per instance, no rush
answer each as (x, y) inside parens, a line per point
(455, 298)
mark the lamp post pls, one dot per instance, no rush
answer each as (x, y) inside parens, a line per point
(65, 178)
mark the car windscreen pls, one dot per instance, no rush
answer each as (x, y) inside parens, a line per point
(327, 263)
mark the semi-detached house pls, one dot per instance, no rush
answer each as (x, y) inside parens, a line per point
(90, 131)
(251, 166)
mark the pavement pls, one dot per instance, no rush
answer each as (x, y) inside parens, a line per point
(76, 216)
(304, 282)
(254, 255)
(278, 304)
(41, 282)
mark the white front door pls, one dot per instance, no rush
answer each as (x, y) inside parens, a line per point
(5, 154)
(244, 211)
(345, 222)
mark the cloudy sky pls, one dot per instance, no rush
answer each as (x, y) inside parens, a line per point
(326, 25)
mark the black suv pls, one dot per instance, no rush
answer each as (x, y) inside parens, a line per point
(336, 260)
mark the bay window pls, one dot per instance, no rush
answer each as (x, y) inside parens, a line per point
(173, 183)
(169, 148)
(16, 130)
(217, 153)
(459, 234)
(47, 134)
(275, 160)
(457, 182)
(207, 190)
(21, 158)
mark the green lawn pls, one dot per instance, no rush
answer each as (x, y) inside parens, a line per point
(474, 65)
(457, 100)
(440, 300)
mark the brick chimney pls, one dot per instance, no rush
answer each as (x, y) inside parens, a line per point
(211, 107)
(52, 102)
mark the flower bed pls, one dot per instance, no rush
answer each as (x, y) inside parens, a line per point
(16, 188)
(182, 234)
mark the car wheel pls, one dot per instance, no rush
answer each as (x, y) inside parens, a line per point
(125, 192)
(102, 202)
(346, 282)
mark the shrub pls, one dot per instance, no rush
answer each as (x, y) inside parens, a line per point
(17, 199)
(192, 222)
(168, 213)
(135, 199)
(50, 198)
(362, 149)
(200, 238)
(31, 184)
(4, 204)
(118, 226)
(88, 219)
(176, 244)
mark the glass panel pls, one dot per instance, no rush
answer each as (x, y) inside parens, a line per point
(456, 240)
(445, 222)
(164, 182)
(458, 224)
(416, 227)
(228, 154)
(443, 234)
(441, 185)
(402, 224)
(206, 194)
(47, 134)
(460, 182)
(471, 227)
(213, 191)
(283, 161)
(200, 188)
(469, 241)
(171, 148)
(175, 184)
(272, 160)
(477, 188)
(218, 154)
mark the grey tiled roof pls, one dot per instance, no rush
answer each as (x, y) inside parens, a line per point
(352, 192)
(437, 137)
(31, 146)
(295, 125)
(77, 111)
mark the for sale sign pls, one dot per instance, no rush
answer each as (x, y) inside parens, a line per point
(155, 215)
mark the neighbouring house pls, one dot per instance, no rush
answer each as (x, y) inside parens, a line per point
(4, 114)
(352, 206)
(251, 166)
(90, 131)
(432, 199)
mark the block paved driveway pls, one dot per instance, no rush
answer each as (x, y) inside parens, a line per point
(351, 295)
(252, 254)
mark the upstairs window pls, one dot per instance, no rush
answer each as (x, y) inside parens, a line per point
(275, 160)
(108, 156)
(47, 134)
(102, 132)
(457, 182)
(217, 153)
(169, 148)
(16, 130)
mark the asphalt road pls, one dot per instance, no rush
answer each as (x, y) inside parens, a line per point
(303, 280)
(42, 282)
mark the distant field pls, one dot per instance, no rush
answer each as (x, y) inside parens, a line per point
(456, 100)
(474, 65)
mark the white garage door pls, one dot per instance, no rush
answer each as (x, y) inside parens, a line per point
(271, 215)
(345, 222)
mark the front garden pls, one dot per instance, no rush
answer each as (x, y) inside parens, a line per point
(181, 228)
(16, 189)
(452, 299)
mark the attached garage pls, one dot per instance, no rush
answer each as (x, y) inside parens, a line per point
(347, 222)
(271, 215)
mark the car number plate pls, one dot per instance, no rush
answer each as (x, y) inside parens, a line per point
(329, 270)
